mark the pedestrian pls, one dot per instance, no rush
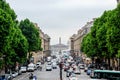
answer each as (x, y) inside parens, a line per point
(34, 77)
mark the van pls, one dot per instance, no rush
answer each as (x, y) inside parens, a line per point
(31, 67)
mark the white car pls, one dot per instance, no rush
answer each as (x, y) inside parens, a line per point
(23, 69)
(73, 77)
(31, 67)
(54, 65)
(14, 74)
(48, 67)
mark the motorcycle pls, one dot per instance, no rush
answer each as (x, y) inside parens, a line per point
(31, 77)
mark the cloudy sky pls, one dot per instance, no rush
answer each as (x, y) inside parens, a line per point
(60, 18)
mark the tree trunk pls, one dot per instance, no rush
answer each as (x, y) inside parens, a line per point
(109, 63)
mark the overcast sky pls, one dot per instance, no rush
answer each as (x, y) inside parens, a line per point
(60, 18)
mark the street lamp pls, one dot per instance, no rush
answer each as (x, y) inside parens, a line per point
(60, 66)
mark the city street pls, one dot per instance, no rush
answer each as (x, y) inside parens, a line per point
(51, 75)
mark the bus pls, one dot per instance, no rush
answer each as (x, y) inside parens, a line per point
(106, 74)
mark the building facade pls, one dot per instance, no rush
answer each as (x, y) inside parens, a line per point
(45, 45)
(76, 39)
(46, 51)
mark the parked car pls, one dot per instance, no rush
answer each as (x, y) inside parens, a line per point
(6, 77)
(77, 71)
(48, 67)
(23, 69)
(14, 74)
(19, 72)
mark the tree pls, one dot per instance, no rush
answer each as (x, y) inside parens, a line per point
(20, 46)
(13, 45)
(32, 34)
(6, 28)
(5, 6)
(113, 33)
(105, 36)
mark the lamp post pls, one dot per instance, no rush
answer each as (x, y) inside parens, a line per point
(60, 66)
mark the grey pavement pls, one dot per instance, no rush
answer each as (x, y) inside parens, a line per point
(52, 75)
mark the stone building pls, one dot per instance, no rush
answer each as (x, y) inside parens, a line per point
(46, 51)
(45, 45)
(76, 39)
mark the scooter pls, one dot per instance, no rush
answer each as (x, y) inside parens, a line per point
(31, 77)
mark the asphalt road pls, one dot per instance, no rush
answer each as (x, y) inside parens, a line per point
(51, 75)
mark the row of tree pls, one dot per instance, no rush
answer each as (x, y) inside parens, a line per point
(103, 41)
(16, 38)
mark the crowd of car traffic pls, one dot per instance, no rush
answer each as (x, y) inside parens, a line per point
(69, 65)
(22, 69)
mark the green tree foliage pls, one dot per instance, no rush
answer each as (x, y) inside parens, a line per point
(20, 46)
(6, 28)
(32, 34)
(13, 45)
(87, 49)
(104, 39)
(5, 6)
(113, 32)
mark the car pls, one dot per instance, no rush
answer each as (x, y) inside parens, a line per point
(6, 77)
(85, 69)
(49, 63)
(92, 73)
(54, 65)
(89, 71)
(73, 77)
(38, 64)
(81, 66)
(69, 72)
(48, 67)
(23, 69)
(77, 71)
(66, 67)
(19, 72)
(14, 74)
(31, 67)
(35, 67)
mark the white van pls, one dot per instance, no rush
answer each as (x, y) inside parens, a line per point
(31, 67)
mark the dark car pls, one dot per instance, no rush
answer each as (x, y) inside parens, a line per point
(6, 77)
